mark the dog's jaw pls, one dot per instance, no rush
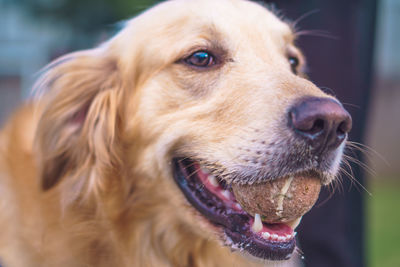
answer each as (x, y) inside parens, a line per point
(238, 230)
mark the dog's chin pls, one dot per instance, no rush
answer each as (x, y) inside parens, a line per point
(216, 203)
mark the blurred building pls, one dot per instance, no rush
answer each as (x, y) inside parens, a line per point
(26, 45)
(383, 133)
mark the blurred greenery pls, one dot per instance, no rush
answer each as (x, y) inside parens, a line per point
(85, 15)
(383, 234)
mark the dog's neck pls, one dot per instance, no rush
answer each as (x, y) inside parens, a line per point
(144, 228)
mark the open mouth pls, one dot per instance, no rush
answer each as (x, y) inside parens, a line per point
(214, 199)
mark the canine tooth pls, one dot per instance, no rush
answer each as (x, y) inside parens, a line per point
(226, 194)
(213, 180)
(238, 206)
(288, 236)
(257, 224)
(294, 234)
(266, 235)
(204, 170)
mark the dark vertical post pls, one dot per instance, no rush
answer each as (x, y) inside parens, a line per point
(332, 234)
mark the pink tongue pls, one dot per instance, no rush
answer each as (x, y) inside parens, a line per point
(225, 195)
(280, 229)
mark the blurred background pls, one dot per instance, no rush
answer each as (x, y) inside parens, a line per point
(32, 33)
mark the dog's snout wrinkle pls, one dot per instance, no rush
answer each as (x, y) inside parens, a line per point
(322, 121)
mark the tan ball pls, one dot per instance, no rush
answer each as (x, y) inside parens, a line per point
(280, 200)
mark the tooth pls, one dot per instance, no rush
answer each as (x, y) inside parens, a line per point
(294, 234)
(288, 236)
(274, 236)
(226, 194)
(204, 170)
(213, 180)
(238, 206)
(257, 225)
(266, 235)
(281, 238)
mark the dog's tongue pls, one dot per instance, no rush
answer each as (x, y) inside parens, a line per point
(272, 241)
(281, 200)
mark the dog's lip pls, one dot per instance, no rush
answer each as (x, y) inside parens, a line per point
(217, 204)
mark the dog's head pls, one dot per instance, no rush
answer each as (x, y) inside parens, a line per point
(192, 96)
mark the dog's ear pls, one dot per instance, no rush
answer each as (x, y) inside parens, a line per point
(76, 134)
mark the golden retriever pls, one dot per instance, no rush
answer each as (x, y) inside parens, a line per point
(107, 166)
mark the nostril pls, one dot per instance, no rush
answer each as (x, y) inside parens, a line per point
(346, 124)
(322, 121)
(341, 130)
(307, 124)
(318, 126)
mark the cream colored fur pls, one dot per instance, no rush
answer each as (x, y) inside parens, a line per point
(85, 174)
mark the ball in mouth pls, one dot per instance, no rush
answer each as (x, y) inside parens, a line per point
(280, 200)
(243, 229)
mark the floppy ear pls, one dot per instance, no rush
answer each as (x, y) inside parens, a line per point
(76, 134)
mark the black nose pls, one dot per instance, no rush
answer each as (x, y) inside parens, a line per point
(322, 121)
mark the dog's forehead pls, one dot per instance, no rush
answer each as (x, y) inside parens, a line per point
(164, 33)
(224, 16)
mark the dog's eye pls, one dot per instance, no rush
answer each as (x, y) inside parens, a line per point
(294, 63)
(201, 59)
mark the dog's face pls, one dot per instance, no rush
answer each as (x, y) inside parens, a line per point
(212, 93)
(218, 101)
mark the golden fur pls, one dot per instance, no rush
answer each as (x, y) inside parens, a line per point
(85, 175)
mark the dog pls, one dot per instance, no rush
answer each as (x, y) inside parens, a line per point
(108, 165)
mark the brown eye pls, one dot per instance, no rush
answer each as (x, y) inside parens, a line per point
(201, 59)
(294, 63)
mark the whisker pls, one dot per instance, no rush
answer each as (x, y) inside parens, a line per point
(361, 164)
(317, 33)
(351, 105)
(338, 184)
(353, 179)
(347, 165)
(299, 252)
(328, 90)
(302, 17)
(182, 159)
(332, 188)
(193, 173)
(367, 150)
